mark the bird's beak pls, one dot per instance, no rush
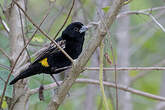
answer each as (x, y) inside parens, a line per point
(83, 29)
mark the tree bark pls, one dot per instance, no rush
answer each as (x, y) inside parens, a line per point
(16, 45)
(79, 64)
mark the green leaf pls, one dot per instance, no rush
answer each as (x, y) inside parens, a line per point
(9, 90)
(4, 104)
(105, 9)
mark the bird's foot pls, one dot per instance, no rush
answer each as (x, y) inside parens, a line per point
(58, 86)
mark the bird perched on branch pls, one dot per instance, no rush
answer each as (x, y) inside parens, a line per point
(52, 60)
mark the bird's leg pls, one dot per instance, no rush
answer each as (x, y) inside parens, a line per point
(54, 69)
(55, 80)
(58, 85)
(58, 69)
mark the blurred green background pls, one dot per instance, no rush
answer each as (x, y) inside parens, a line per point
(146, 48)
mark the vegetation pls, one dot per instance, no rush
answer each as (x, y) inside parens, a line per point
(125, 73)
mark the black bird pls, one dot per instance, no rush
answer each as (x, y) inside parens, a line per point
(52, 59)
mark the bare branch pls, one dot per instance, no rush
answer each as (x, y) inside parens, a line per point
(22, 29)
(2, 79)
(79, 64)
(136, 12)
(46, 35)
(114, 59)
(65, 20)
(127, 68)
(12, 69)
(147, 14)
(108, 84)
(23, 67)
(154, 19)
(5, 67)
(4, 25)
(101, 59)
(142, 74)
(5, 54)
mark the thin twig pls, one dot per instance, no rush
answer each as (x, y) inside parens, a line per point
(80, 63)
(65, 20)
(53, 19)
(4, 25)
(145, 10)
(23, 36)
(5, 54)
(147, 14)
(127, 68)
(5, 67)
(108, 84)
(114, 59)
(159, 25)
(142, 74)
(101, 76)
(46, 35)
(153, 18)
(5, 87)
(2, 79)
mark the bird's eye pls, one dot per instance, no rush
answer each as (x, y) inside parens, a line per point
(76, 29)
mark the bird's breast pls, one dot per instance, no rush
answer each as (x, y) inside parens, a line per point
(74, 49)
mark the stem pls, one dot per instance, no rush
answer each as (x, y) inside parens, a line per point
(101, 76)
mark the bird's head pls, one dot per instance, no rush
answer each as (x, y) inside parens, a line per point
(74, 30)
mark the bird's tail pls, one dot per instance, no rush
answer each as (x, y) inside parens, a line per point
(26, 73)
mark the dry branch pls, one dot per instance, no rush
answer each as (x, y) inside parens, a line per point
(65, 20)
(127, 68)
(4, 25)
(12, 69)
(5, 54)
(139, 11)
(45, 34)
(79, 64)
(5, 67)
(108, 84)
(147, 13)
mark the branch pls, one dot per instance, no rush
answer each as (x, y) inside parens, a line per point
(108, 84)
(65, 20)
(147, 14)
(127, 68)
(137, 11)
(144, 73)
(114, 59)
(5, 67)
(2, 79)
(46, 35)
(154, 19)
(12, 69)
(79, 64)
(5, 54)
(23, 36)
(101, 76)
(4, 25)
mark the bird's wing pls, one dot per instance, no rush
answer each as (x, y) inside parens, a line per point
(52, 48)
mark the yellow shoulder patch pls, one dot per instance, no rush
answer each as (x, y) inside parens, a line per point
(44, 62)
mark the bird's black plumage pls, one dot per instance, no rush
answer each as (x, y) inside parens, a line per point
(51, 59)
